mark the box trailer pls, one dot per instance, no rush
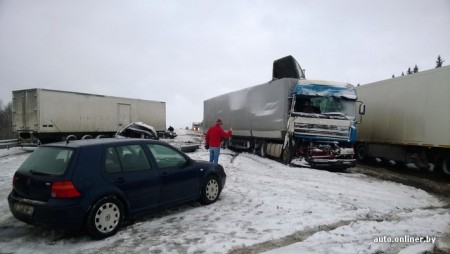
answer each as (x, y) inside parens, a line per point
(273, 119)
(408, 119)
(43, 115)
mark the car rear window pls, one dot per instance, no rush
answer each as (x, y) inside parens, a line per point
(47, 161)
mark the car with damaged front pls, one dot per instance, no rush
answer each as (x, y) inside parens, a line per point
(138, 130)
(97, 184)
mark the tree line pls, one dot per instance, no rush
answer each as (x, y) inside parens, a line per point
(439, 63)
(6, 121)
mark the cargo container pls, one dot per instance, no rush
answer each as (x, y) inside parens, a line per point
(273, 119)
(408, 120)
(43, 115)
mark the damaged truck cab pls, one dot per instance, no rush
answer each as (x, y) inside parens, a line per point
(295, 120)
(321, 127)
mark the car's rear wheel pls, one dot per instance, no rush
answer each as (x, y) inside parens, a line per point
(210, 191)
(105, 218)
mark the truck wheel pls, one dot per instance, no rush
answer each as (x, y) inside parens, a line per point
(287, 156)
(71, 137)
(105, 218)
(263, 149)
(445, 164)
(361, 152)
(210, 191)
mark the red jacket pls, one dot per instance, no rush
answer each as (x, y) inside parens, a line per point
(215, 134)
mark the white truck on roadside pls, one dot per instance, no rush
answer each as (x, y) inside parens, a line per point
(408, 120)
(44, 115)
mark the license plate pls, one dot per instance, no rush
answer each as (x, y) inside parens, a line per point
(24, 209)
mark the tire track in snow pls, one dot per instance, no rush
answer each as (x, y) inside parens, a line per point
(302, 235)
(298, 236)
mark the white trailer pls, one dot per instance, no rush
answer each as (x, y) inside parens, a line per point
(43, 115)
(407, 119)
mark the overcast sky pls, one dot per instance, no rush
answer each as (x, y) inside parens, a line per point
(185, 51)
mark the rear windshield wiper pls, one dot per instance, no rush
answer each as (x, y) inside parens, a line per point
(39, 173)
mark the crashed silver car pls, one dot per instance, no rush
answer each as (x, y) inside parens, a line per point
(138, 130)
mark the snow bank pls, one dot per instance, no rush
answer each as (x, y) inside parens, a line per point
(265, 206)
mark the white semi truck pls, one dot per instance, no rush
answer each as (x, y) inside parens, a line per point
(272, 119)
(43, 115)
(408, 120)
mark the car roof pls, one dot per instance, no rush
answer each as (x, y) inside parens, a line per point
(102, 141)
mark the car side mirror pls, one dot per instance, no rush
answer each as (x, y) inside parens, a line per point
(184, 164)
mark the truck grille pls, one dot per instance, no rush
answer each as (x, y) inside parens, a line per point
(321, 130)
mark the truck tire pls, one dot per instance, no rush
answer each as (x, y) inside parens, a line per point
(361, 152)
(263, 149)
(86, 137)
(444, 164)
(71, 137)
(287, 155)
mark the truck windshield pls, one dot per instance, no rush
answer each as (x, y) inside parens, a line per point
(325, 105)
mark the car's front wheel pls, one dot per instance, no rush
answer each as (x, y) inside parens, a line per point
(105, 218)
(210, 191)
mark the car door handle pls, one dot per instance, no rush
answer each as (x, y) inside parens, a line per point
(120, 180)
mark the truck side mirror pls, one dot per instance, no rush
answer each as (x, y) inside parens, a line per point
(362, 109)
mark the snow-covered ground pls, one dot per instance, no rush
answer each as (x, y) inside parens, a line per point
(265, 207)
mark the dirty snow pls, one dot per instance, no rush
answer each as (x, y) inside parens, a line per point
(265, 207)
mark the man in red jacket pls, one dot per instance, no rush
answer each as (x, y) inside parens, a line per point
(213, 139)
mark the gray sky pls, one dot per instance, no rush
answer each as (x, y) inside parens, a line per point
(185, 51)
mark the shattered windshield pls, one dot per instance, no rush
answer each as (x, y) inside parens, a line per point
(329, 106)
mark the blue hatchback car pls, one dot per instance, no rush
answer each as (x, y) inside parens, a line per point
(99, 183)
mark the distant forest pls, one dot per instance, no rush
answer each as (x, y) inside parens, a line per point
(6, 121)
(439, 62)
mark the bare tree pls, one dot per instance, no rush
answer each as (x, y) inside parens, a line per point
(6, 121)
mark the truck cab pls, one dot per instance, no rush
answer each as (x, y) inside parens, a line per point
(321, 125)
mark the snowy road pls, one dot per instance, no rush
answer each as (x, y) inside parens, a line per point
(265, 207)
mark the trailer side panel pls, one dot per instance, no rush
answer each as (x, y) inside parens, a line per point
(409, 110)
(51, 111)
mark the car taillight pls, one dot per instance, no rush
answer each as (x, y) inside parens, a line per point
(14, 181)
(64, 190)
